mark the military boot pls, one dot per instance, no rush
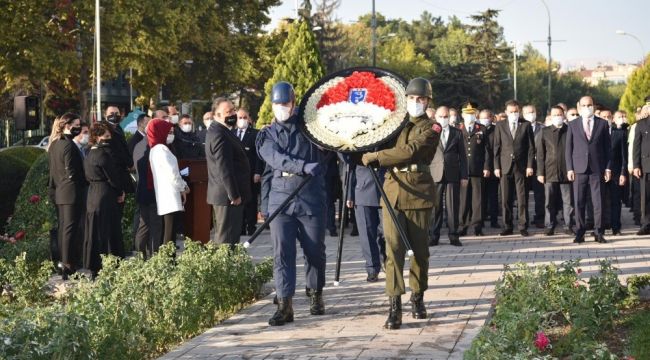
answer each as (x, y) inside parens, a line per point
(284, 314)
(316, 305)
(394, 320)
(417, 306)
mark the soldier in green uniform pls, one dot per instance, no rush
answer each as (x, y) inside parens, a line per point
(409, 188)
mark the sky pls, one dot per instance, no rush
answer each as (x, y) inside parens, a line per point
(587, 27)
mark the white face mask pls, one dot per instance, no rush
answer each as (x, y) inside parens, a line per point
(572, 117)
(84, 139)
(469, 120)
(484, 122)
(586, 112)
(207, 123)
(186, 128)
(170, 139)
(282, 113)
(242, 123)
(443, 121)
(512, 117)
(415, 108)
(174, 119)
(452, 119)
(619, 121)
(530, 117)
(557, 121)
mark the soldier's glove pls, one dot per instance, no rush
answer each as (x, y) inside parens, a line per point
(313, 169)
(370, 158)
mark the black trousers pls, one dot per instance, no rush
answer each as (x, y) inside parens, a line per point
(491, 200)
(227, 224)
(148, 236)
(471, 203)
(250, 210)
(539, 197)
(69, 235)
(512, 183)
(612, 201)
(452, 203)
(635, 194)
(645, 201)
(584, 184)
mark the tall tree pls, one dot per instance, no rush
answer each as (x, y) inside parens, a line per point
(638, 88)
(330, 34)
(299, 63)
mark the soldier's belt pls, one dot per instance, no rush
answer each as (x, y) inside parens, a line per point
(412, 168)
(286, 174)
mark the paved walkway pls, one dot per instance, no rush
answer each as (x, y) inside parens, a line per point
(461, 282)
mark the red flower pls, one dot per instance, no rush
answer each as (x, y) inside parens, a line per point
(34, 199)
(541, 341)
(20, 235)
(579, 271)
(377, 92)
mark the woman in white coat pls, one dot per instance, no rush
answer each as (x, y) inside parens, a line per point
(165, 178)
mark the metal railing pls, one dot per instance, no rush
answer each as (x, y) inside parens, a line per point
(9, 135)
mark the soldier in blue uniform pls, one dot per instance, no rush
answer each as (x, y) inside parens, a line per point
(291, 157)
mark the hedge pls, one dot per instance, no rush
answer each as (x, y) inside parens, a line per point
(14, 165)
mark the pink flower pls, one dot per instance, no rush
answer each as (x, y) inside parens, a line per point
(34, 199)
(541, 341)
(579, 271)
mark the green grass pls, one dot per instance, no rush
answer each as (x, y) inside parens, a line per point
(638, 324)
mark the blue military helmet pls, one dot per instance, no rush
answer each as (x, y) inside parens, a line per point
(282, 93)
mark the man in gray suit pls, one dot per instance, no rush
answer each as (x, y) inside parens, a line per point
(449, 172)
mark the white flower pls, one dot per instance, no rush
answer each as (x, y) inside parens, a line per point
(348, 120)
(7, 341)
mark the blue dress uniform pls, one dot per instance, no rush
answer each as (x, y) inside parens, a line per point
(364, 193)
(291, 157)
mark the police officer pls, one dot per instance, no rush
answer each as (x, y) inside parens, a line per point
(292, 158)
(409, 187)
(478, 168)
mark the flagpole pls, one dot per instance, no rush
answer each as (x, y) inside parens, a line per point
(98, 75)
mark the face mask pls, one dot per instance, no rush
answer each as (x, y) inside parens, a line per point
(186, 128)
(174, 119)
(170, 139)
(281, 113)
(207, 123)
(469, 120)
(230, 120)
(513, 117)
(586, 112)
(452, 119)
(114, 118)
(443, 121)
(84, 139)
(557, 121)
(74, 131)
(484, 122)
(619, 121)
(105, 141)
(242, 123)
(415, 108)
(572, 117)
(530, 117)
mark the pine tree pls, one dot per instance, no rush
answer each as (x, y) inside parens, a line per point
(298, 63)
(638, 87)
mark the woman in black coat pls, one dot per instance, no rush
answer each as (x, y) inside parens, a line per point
(104, 194)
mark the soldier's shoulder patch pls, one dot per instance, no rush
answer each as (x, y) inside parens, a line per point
(437, 128)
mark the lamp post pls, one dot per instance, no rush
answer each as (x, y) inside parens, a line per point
(98, 75)
(622, 32)
(549, 41)
(514, 65)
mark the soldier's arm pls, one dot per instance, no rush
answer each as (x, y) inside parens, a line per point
(275, 156)
(426, 141)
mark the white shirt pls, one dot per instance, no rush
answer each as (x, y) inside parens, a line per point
(167, 180)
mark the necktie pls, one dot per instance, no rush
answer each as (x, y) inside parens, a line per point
(240, 134)
(588, 129)
(513, 129)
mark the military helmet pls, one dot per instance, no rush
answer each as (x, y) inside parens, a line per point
(419, 87)
(282, 93)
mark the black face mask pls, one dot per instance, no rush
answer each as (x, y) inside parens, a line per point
(74, 131)
(231, 120)
(114, 118)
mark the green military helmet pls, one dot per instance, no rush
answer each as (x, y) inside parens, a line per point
(419, 87)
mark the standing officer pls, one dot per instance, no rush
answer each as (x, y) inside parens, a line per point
(449, 172)
(247, 134)
(409, 187)
(613, 190)
(641, 149)
(292, 158)
(514, 153)
(530, 114)
(491, 183)
(478, 169)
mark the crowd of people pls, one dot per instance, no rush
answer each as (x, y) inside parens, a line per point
(463, 168)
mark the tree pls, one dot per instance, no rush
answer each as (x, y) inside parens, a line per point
(299, 63)
(638, 88)
(330, 36)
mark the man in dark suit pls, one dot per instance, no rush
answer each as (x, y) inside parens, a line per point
(490, 199)
(641, 150)
(67, 184)
(514, 154)
(530, 114)
(140, 134)
(247, 134)
(613, 190)
(449, 172)
(478, 169)
(588, 148)
(552, 173)
(229, 174)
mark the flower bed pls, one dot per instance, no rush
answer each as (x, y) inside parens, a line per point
(134, 309)
(550, 312)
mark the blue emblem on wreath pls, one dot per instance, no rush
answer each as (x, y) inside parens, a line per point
(357, 95)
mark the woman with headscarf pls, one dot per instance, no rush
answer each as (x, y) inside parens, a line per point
(165, 178)
(105, 193)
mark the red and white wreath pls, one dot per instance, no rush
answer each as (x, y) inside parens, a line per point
(355, 111)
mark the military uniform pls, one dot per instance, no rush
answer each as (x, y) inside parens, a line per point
(478, 160)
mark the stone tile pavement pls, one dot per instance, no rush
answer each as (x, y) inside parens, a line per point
(461, 289)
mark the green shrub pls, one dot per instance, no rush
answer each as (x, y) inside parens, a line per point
(135, 308)
(28, 154)
(14, 165)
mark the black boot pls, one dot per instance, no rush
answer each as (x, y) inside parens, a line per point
(316, 305)
(394, 320)
(417, 306)
(284, 314)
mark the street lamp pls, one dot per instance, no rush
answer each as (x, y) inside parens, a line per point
(514, 53)
(98, 74)
(549, 41)
(622, 32)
